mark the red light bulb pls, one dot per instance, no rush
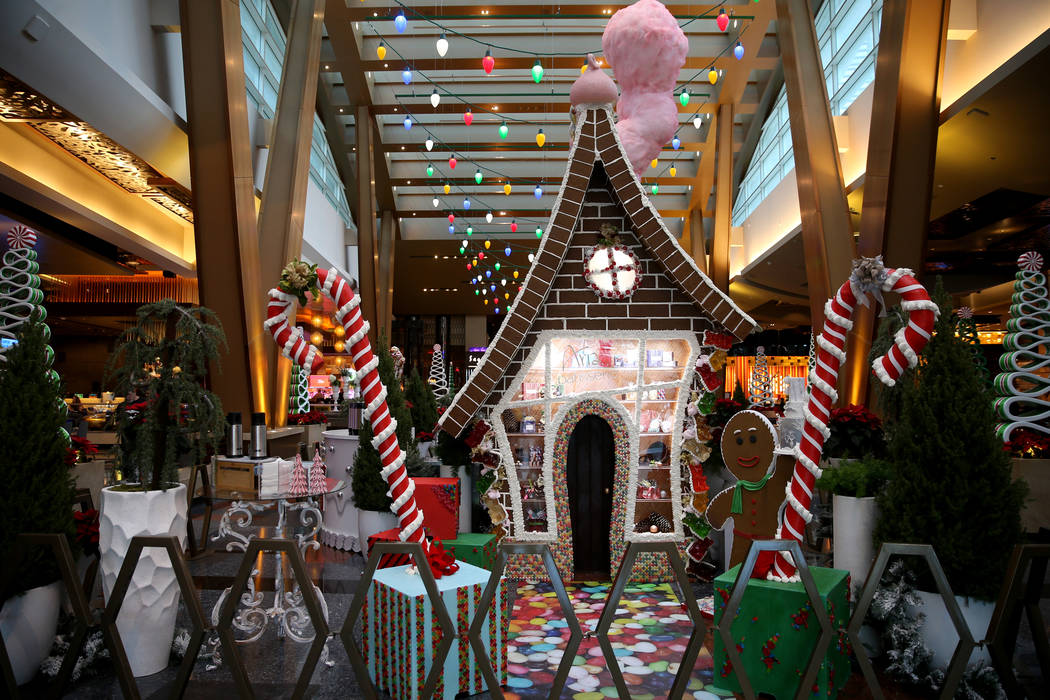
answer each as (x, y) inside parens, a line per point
(722, 21)
(452, 162)
(513, 226)
(451, 218)
(481, 256)
(468, 117)
(488, 63)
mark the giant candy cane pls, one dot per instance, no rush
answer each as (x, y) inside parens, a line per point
(292, 343)
(868, 276)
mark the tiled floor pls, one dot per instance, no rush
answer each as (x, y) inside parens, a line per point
(650, 637)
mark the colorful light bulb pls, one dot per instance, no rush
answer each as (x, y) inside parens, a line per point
(684, 97)
(408, 123)
(506, 251)
(539, 232)
(488, 218)
(435, 98)
(515, 274)
(503, 130)
(478, 176)
(497, 266)
(466, 202)
(488, 63)
(712, 76)
(381, 51)
(676, 143)
(429, 143)
(673, 171)
(468, 117)
(654, 163)
(738, 51)
(513, 226)
(506, 188)
(470, 232)
(697, 122)
(442, 46)
(430, 170)
(655, 189)
(538, 192)
(448, 188)
(452, 218)
(452, 163)
(541, 138)
(537, 71)
(722, 20)
(451, 228)
(400, 23)
(406, 76)
(488, 244)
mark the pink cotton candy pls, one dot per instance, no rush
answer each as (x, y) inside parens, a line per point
(593, 87)
(647, 49)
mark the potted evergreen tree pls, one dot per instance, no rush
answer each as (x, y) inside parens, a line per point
(950, 484)
(369, 486)
(161, 365)
(423, 405)
(37, 478)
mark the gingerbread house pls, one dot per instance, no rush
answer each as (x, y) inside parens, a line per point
(585, 385)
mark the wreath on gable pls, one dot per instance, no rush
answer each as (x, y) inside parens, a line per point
(612, 270)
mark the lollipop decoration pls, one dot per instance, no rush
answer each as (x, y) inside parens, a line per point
(869, 277)
(1022, 387)
(296, 279)
(20, 293)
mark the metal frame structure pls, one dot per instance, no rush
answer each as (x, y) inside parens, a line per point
(1015, 596)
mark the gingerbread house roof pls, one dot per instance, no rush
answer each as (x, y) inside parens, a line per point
(595, 140)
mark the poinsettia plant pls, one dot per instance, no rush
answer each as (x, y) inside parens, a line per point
(1028, 444)
(87, 529)
(313, 417)
(79, 450)
(855, 432)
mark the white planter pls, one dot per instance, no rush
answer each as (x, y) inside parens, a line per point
(939, 633)
(339, 528)
(369, 522)
(28, 623)
(147, 617)
(854, 522)
(424, 448)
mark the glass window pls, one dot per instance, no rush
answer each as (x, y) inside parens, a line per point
(847, 36)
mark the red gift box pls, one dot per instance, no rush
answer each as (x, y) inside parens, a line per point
(438, 498)
(388, 560)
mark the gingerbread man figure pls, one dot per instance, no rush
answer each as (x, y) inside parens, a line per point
(748, 444)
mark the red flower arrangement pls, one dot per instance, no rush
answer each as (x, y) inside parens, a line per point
(308, 418)
(424, 436)
(855, 432)
(79, 450)
(1028, 444)
(87, 530)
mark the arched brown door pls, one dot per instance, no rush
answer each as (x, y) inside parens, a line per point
(589, 472)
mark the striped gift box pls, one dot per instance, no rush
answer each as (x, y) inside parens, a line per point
(401, 632)
(388, 560)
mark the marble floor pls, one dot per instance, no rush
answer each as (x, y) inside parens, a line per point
(273, 665)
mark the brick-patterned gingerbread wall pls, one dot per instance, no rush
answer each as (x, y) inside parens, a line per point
(657, 305)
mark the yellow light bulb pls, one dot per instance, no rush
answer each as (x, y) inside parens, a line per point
(381, 51)
(488, 244)
(506, 295)
(486, 302)
(583, 68)
(448, 188)
(515, 274)
(673, 171)
(506, 188)
(712, 76)
(654, 163)
(541, 138)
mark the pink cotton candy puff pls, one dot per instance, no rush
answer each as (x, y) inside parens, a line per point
(647, 49)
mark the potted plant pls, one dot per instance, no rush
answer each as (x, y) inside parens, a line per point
(854, 485)
(168, 414)
(37, 479)
(855, 433)
(950, 485)
(1030, 460)
(313, 422)
(369, 486)
(423, 405)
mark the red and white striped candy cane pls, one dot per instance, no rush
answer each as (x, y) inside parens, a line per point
(831, 344)
(294, 346)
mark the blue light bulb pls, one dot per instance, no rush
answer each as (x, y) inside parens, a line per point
(507, 251)
(538, 192)
(738, 51)
(676, 143)
(466, 203)
(400, 23)
(406, 76)
(488, 273)
(451, 228)
(408, 123)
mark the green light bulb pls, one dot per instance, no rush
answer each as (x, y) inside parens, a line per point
(684, 98)
(537, 72)
(503, 130)
(430, 170)
(539, 232)
(462, 250)
(655, 188)
(477, 176)
(497, 267)
(470, 230)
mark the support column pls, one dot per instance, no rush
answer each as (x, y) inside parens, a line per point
(288, 168)
(723, 198)
(385, 277)
(696, 238)
(366, 220)
(827, 235)
(227, 242)
(902, 148)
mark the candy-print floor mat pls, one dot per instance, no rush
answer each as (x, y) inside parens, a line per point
(649, 635)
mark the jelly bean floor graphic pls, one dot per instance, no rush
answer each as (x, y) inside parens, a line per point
(649, 636)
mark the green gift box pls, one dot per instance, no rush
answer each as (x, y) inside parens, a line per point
(776, 630)
(474, 548)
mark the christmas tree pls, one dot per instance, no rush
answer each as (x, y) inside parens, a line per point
(33, 455)
(811, 363)
(297, 484)
(424, 403)
(20, 295)
(761, 386)
(318, 484)
(738, 394)
(437, 379)
(951, 485)
(1022, 387)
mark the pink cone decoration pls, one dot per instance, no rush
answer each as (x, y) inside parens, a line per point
(318, 482)
(297, 485)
